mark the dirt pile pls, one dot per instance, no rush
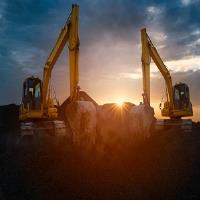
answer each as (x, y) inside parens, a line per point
(141, 121)
(165, 166)
(112, 126)
(107, 126)
(80, 118)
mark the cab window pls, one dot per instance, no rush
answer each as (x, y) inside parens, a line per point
(37, 90)
(177, 96)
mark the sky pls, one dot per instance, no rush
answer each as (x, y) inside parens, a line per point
(110, 50)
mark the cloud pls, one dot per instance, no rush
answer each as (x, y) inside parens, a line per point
(110, 51)
(153, 10)
(188, 2)
(135, 76)
(189, 63)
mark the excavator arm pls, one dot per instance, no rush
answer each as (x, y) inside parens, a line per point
(149, 51)
(69, 34)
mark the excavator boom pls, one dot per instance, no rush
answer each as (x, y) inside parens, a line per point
(69, 33)
(178, 102)
(149, 51)
(37, 110)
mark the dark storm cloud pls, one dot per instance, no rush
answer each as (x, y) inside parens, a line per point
(181, 25)
(29, 29)
(21, 23)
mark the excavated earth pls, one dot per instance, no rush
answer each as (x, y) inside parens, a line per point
(164, 166)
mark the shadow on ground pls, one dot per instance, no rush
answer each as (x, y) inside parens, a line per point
(166, 166)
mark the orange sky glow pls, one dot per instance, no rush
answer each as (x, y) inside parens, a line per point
(118, 75)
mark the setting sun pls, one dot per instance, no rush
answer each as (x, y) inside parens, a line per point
(120, 102)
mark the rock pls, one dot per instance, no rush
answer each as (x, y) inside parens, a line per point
(141, 118)
(112, 126)
(81, 116)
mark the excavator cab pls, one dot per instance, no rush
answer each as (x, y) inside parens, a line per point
(182, 106)
(31, 97)
(182, 99)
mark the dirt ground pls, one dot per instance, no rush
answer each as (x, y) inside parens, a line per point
(166, 166)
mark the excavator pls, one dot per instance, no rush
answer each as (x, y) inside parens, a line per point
(38, 110)
(177, 103)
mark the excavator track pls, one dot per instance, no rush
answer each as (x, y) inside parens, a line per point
(185, 125)
(51, 128)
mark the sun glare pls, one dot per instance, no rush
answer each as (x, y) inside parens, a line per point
(120, 102)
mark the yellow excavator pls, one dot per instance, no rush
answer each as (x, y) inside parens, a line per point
(177, 103)
(38, 110)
